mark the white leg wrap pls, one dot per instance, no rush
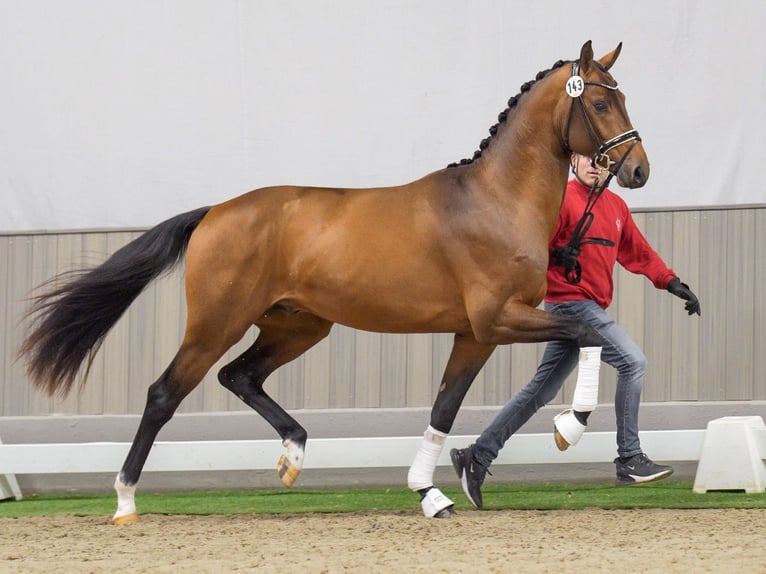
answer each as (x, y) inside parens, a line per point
(421, 474)
(586, 389)
(126, 499)
(567, 429)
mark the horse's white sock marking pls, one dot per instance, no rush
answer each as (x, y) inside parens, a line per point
(289, 465)
(421, 474)
(126, 498)
(295, 453)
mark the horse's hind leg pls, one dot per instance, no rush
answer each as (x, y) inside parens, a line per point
(196, 355)
(284, 335)
(466, 360)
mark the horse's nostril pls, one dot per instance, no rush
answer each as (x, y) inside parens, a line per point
(638, 176)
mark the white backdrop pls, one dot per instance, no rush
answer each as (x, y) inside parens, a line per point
(123, 113)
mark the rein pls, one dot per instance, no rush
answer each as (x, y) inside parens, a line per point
(566, 255)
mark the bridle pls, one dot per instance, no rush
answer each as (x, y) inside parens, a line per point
(575, 88)
(566, 255)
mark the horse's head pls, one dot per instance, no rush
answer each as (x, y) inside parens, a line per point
(596, 123)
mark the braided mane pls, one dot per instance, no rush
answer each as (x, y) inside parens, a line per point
(503, 116)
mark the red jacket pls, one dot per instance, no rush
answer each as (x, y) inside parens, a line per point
(611, 220)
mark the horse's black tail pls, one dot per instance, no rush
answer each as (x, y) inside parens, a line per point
(72, 319)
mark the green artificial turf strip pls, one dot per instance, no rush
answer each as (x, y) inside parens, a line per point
(667, 494)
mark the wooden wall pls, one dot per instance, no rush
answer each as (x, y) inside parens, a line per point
(721, 356)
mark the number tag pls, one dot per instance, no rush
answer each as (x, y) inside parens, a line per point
(575, 86)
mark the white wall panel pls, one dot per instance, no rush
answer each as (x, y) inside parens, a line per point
(121, 114)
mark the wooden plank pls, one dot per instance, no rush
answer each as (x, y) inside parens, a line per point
(368, 369)
(288, 385)
(342, 367)
(497, 377)
(420, 377)
(657, 340)
(524, 359)
(317, 372)
(759, 302)
(739, 304)
(12, 398)
(393, 366)
(712, 294)
(20, 259)
(685, 330)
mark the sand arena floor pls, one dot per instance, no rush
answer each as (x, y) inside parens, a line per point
(488, 542)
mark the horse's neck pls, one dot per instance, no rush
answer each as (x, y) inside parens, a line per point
(527, 163)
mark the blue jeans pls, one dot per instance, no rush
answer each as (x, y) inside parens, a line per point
(559, 360)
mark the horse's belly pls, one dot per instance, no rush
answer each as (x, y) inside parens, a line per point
(390, 313)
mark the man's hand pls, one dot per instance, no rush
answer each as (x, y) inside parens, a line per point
(682, 290)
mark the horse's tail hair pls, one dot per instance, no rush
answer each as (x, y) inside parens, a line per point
(72, 317)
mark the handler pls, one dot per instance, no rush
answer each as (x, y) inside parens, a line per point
(580, 285)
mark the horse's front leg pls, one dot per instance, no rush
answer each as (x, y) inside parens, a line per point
(466, 360)
(521, 323)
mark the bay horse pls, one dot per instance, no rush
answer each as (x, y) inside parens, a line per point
(463, 250)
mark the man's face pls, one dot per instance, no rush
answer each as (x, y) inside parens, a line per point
(585, 171)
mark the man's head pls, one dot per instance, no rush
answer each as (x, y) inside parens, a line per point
(584, 170)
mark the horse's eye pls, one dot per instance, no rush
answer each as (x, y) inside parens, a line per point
(601, 106)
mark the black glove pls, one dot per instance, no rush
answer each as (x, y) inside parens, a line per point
(682, 290)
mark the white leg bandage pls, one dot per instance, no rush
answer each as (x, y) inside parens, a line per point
(586, 389)
(567, 429)
(421, 474)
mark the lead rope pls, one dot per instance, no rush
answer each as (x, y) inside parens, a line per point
(566, 255)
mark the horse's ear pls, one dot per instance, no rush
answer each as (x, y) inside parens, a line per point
(609, 60)
(586, 57)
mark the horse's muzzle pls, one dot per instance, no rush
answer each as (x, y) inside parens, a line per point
(633, 174)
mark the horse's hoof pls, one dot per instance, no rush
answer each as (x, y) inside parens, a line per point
(567, 430)
(288, 473)
(561, 442)
(448, 512)
(126, 519)
(435, 504)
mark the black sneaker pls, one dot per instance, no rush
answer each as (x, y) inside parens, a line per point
(640, 468)
(471, 474)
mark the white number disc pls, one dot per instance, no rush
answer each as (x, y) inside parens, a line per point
(575, 86)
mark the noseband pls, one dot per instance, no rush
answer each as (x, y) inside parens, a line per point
(575, 88)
